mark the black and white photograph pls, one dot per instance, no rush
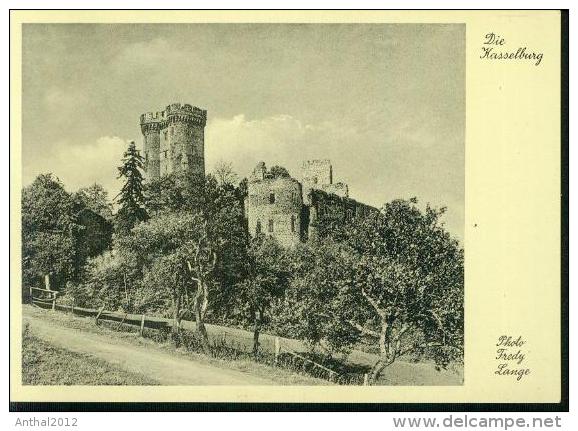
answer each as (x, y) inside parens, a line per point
(243, 204)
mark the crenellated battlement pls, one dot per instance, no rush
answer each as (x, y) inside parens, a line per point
(185, 112)
(175, 112)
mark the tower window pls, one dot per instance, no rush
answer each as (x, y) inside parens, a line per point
(315, 180)
(271, 226)
(258, 227)
(292, 223)
(165, 135)
(165, 153)
(271, 198)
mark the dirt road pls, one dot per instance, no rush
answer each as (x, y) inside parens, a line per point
(166, 369)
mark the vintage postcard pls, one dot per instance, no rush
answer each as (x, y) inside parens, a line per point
(288, 207)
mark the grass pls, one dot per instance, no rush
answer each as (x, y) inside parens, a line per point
(45, 364)
(233, 347)
(155, 340)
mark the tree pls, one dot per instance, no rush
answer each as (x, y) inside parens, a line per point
(267, 278)
(393, 279)
(196, 241)
(222, 207)
(178, 258)
(225, 174)
(131, 198)
(279, 172)
(95, 197)
(315, 305)
(406, 285)
(49, 232)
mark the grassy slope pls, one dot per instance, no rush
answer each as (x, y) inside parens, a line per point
(45, 364)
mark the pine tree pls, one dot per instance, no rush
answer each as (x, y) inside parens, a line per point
(131, 198)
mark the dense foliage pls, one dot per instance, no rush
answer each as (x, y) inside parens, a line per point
(391, 282)
(55, 237)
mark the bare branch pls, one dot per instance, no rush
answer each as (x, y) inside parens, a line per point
(363, 330)
(374, 304)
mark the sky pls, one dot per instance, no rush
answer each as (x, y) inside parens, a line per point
(384, 102)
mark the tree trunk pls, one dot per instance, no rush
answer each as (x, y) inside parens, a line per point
(200, 324)
(256, 331)
(385, 357)
(377, 369)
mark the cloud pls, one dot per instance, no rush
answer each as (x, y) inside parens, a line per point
(148, 55)
(280, 139)
(82, 164)
(62, 103)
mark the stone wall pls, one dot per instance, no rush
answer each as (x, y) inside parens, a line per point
(151, 145)
(290, 211)
(337, 208)
(274, 207)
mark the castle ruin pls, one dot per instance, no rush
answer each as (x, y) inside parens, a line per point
(283, 207)
(276, 205)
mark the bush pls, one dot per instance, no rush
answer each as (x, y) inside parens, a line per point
(109, 280)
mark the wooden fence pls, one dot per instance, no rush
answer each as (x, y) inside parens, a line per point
(40, 296)
(48, 299)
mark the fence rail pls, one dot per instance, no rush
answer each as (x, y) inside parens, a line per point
(138, 320)
(141, 321)
(46, 296)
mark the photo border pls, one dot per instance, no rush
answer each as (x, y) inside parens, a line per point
(562, 406)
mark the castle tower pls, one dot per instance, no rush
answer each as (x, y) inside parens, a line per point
(318, 175)
(174, 140)
(274, 206)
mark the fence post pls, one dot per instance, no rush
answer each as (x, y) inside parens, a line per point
(331, 376)
(31, 297)
(98, 315)
(54, 301)
(277, 349)
(142, 322)
(366, 379)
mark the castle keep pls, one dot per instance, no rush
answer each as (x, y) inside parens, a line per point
(174, 140)
(276, 205)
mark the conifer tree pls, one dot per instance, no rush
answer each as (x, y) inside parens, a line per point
(131, 198)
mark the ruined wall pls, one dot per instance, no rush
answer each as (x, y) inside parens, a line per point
(291, 211)
(339, 189)
(337, 208)
(315, 173)
(274, 207)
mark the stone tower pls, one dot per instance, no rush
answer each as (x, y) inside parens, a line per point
(318, 175)
(274, 206)
(174, 140)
